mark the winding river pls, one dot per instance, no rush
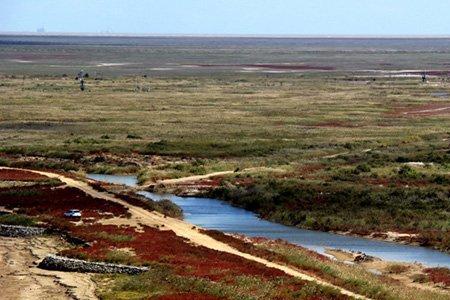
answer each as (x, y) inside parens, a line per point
(219, 215)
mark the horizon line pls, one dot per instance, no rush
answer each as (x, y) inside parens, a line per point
(326, 36)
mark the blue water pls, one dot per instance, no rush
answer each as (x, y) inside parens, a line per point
(219, 215)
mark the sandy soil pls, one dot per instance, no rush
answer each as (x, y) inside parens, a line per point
(21, 279)
(195, 179)
(192, 178)
(187, 231)
(383, 266)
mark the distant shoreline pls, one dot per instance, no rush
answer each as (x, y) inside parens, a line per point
(268, 36)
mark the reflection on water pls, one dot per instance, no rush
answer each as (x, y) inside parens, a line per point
(216, 214)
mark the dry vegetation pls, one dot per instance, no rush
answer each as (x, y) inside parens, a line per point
(345, 146)
(352, 153)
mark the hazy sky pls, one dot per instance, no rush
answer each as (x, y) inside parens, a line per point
(272, 17)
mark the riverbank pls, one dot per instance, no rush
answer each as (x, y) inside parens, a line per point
(118, 231)
(196, 262)
(219, 215)
(411, 274)
(351, 154)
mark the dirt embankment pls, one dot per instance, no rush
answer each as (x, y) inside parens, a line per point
(406, 273)
(21, 279)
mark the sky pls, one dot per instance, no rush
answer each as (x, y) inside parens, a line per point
(229, 17)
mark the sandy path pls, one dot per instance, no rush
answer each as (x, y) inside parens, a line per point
(186, 230)
(427, 110)
(193, 178)
(207, 176)
(20, 279)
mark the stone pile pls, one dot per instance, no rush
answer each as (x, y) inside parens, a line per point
(20, 231)
(59, 263)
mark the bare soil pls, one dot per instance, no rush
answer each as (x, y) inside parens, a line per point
(21, 279)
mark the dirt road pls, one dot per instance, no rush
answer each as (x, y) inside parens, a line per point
(21, 280)
(184, 229)
(207, 176)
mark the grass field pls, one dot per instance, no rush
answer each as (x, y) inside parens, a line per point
(356, 147)
(354, 153)
(326, 136)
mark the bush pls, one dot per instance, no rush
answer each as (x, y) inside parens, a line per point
(14, 219)
(420, 278)
(4, 162)
(397, 269)
(118, 238)
(133, 136)
(441, 179)
(120, 257)
(364, 168)
(169, 208)
(408, 173)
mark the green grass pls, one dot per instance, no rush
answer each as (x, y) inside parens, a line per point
(162, 281)
(15, 219)
(354, 278)
(120, 257)
(330, 135)
(17, 192)
(118, 238)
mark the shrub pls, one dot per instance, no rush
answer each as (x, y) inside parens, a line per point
(397, 269)
(20, 192)
(364, 168)
(118, 238)
(120, 257)
(169, 208)
(408, 172)
(420, 278)
(441, 179)
(14, 219)
(4, 162)
(133, 136)
(439, 275)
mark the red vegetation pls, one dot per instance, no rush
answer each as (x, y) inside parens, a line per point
(19, 175)
(55, 201)
(203, 183)
(439, 275)
(153, 245)
(271, 66)
(246, 182)
(211, 182)
(188, 296)
(244, 246)
(307, 170)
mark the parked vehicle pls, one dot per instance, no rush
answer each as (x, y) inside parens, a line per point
(73, 213)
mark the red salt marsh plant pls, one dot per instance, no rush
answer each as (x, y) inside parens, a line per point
(54, 202)
(154, 245)
(439, 275)
(19, 175)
